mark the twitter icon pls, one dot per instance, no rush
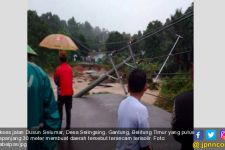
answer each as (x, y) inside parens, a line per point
(210, 135)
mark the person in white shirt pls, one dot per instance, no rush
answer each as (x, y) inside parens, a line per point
(132, 114)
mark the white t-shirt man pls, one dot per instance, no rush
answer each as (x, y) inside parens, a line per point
(134, 115)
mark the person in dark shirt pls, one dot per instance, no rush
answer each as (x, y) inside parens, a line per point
(182, 117)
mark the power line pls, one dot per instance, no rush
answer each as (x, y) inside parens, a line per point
(158, 96)
(82, 45)
(105, 76)
(148, 34)
(184, 17)
(174, 74)
(110, 43)
(181, 79)
(178, 53)
(178, 20)
(191, 12)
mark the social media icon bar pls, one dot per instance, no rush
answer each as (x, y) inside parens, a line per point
(222, 134)
(210, 135)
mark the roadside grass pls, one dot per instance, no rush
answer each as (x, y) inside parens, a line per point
(171, 87)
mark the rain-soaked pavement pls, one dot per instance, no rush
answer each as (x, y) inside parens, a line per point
(100, 111)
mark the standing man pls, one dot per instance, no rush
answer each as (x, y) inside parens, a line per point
(132, 113)
(42, 108)
(63, 78)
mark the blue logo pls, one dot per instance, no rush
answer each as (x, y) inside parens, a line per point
(210, 135)
(198, 135)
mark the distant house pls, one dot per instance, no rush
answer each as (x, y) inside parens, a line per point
(95, 56)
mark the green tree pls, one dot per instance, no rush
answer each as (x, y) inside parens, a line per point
(115, 41)
(73, 28)
(153, 44)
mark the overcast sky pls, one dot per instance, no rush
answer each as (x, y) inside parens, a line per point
(115, 15)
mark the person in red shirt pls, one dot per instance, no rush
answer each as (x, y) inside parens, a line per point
(63, 78)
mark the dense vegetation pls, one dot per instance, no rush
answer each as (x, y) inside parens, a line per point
(90, 39)
(171, 87)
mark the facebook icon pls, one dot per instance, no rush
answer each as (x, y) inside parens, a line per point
(198, 135)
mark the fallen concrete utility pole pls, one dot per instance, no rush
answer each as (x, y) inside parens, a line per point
(101, 78)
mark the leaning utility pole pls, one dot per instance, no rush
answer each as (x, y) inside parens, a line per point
(102, 78)
(178, 37)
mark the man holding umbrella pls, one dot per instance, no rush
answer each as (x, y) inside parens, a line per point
(63, 78)
(63, 75)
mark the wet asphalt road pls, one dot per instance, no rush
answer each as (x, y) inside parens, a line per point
(100, 111)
